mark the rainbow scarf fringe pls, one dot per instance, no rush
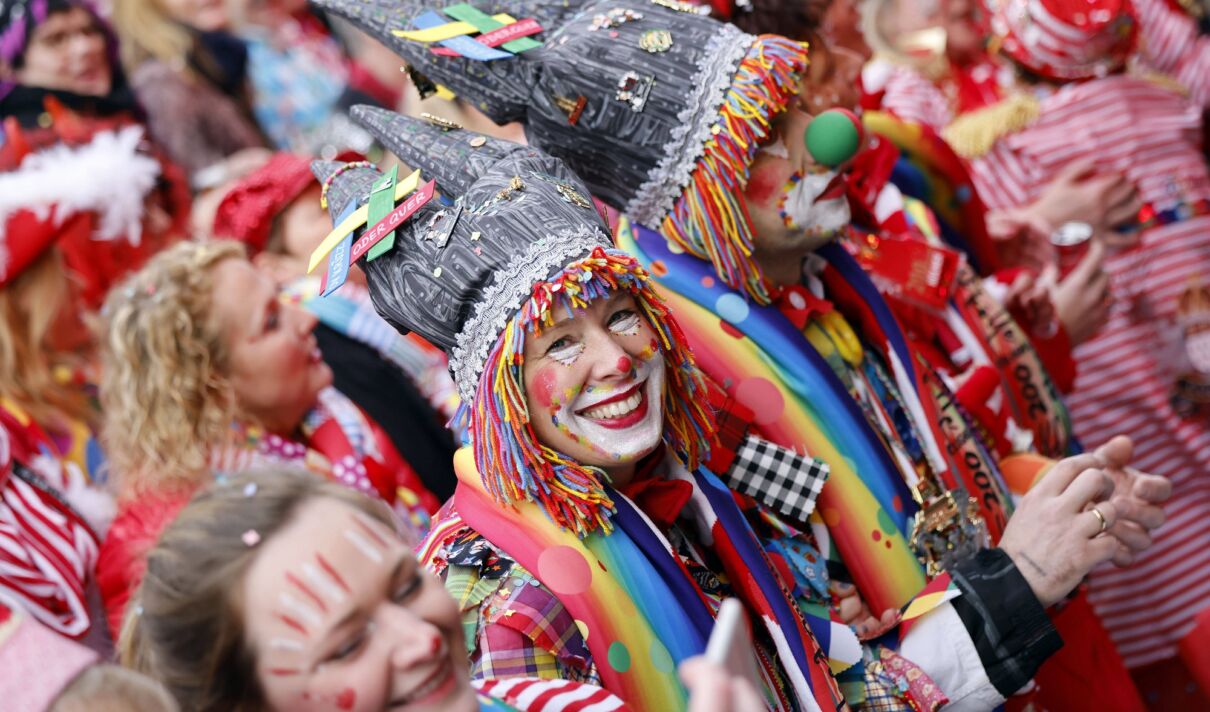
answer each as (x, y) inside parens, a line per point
(517, 467)
(710, 219)
(865, 503)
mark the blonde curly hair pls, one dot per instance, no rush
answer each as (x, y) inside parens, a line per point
(164, 391)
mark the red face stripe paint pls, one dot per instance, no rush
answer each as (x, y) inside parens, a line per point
(283, 672)
(323, 564)
(292, 623)
(310, 594)
(369, 531)
(625, 365)
(436, 647)
(346, 699)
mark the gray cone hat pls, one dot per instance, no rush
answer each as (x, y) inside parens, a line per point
(652, 79)
(458, 273)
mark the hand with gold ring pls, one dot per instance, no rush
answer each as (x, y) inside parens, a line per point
(1138, 498)
(1104, 523)
(1055, 536)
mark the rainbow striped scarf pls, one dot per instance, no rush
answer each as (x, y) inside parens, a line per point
(803, 405)
(642, 614)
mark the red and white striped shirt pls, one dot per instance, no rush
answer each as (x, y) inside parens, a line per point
(1172, 44)
(47, 551)
(1126, 375)
(531, 694)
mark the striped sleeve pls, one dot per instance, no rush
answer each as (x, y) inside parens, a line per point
(537, 695)
(915, 99)
(1172, 44)
(1001, 178)
(46, 555)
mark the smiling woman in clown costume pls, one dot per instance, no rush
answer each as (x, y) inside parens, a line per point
(588, 539)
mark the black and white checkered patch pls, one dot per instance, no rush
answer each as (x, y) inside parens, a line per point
(778, 478)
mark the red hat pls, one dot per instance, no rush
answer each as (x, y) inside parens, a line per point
(1065, 39)
(249, 208)
(98, 225)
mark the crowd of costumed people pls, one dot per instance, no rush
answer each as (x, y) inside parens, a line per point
(591, 355)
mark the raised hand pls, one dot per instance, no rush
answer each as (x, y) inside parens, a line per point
(1059, 532)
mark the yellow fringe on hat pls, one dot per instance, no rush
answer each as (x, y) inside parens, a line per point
(973, 134)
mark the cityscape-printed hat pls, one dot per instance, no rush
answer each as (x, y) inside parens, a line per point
(659, 109)
(517, 238)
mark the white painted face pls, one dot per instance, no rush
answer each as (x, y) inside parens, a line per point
(794, 204)
(623, 421)
(595, 383)
(811, 204)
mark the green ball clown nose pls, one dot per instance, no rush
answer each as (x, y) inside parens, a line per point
(834, 137)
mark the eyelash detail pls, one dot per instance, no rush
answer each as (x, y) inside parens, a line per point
(625, 322)
(566, 354)
(412, 586)
(350, 649)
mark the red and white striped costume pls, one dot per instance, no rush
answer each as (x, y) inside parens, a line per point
(906, 93)
(531, 694)
(1172, 44)
(1151, 135)
(47, 552)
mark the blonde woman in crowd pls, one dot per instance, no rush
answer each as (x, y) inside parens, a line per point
(206, 372)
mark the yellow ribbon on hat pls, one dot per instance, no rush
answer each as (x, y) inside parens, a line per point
(356, 220)
(448, 31)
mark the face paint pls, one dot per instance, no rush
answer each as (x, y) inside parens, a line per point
(625, 364)
(369, 531)
(300, 610)
(544, 386)
(764, 185)
(621, 422)
(323, 582)
(288, 645)
(776, 148)
(807, 204)
(284, 672)
(331, 572)
(311, 595)
(292, 623)
(308, 577)
(363, 545)
(567, 355)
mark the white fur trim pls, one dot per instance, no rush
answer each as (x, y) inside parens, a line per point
(108, 176)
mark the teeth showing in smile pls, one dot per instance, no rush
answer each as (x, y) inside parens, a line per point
(616, 409)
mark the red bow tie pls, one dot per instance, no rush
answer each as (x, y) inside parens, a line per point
(662, 500)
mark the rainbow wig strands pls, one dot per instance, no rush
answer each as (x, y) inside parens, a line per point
(710, 219)
(513, 464)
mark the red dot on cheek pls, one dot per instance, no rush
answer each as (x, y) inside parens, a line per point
(346, 699)
(544, 386)
(763, 184)
(625, 364)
